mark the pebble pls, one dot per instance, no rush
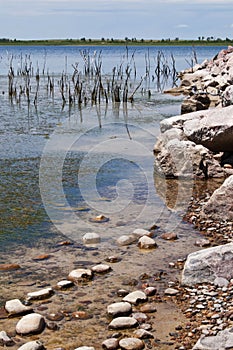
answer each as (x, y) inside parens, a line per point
(65, 284)
(131, 344)
(9, 267)
(32, 323)
(135, 297)
(113, 259)
(122, 293)
(110, 344)
(143, 334)
(140, 317)
(221, 282)
(5, 340)
(126, 240)
(55, 316)
(101, 268)
(32, 345)
(171, 291)
(148, 308)
(150, 291)
(42, 257)
(123, 322)
(169, 236)
(80, 274)
(139, 232)
(16, 307)
(119, 309)
(40, 294)
(85, 348)
(202, 242)
(91, 238)
(146, 243)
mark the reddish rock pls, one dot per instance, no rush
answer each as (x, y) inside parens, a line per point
(9, 267)
(169, 236)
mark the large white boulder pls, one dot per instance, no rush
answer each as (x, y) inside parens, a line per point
(206, 265)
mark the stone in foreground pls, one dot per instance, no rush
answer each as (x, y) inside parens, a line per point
(32, 345)
(16, 307)
(123, 323)
(119, 309)
(30, 324)
(110, 344)
(146, 243)
(131, 344)
(135, 297)
(223, 340)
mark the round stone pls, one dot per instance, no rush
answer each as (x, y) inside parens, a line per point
(80, 274)
(91, 238)
(146, 243)
(64, 284)
(135, 297)
(171, 291)
(32, 345)
(139, 232)
(131, 344)
(123, 322)
(119, 309)
(30, 324)
(126, 240)
(169, 236)
(40, 294)
(101, 268)
(16, 307)
(110, 344)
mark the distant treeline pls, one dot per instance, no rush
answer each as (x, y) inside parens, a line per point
(127, 41)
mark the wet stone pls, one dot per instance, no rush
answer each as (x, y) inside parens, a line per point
(171, 291)
(148, 308)
(126, 240)
(123, 322)
(150, 291)
(9, 267)
(30, 324)
(16, 307)
(40, 294)
(85, 348)
(101, 268)
(91, 238)
(140, 232)
(119, 309)
(64, 284)
(143, 334)
(146, 243)
(140, 317)
(80, 274)
(55, 316)
(131, 344)
(135, 297)
(169, 236)
(110, 344)
(5, 340)
(122, 293)
(32, 345)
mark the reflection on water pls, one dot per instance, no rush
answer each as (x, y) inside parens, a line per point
(106, 168)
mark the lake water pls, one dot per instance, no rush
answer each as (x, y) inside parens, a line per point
(62, 165)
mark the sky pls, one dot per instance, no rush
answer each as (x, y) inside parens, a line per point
(118, 19)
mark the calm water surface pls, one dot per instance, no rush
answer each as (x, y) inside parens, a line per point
(62, 166)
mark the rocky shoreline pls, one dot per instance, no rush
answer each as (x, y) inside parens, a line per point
(150, 289)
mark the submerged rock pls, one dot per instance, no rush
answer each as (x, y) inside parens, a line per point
(40, 294)
(91, 238)
(146, 243)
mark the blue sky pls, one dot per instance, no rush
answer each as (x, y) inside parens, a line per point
(148, 19)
